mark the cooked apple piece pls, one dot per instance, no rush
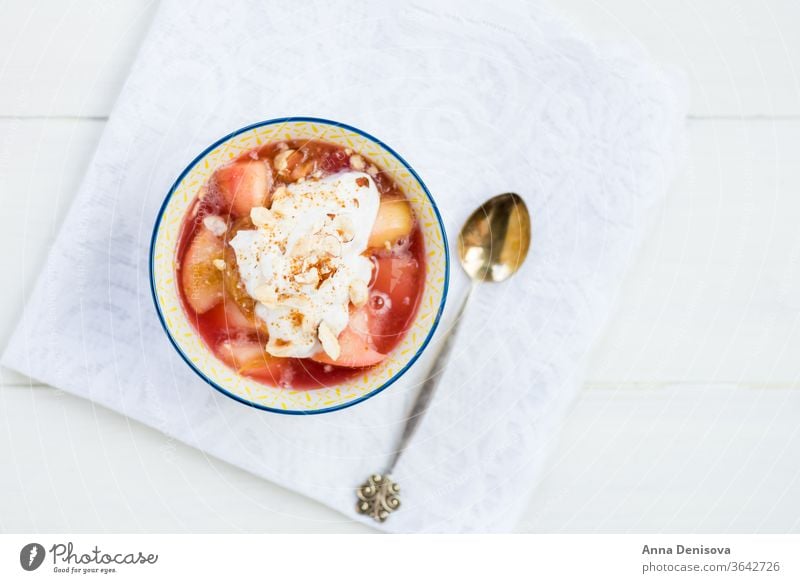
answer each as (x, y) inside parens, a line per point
(235, 290)
(200, 275)
(234, 286)
(238, 353)
(302, 170)
(291, 165)
(244, 185)
(228, 317)
(355, 352)
(235, 318)
(394, 221)
(354, 346)
(246, 355)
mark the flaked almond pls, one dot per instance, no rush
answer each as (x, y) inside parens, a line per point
(261, 216)
(359, 293)
(330, 344)
(344, 227)
(301, 171)
(302, 247)
(298, 302)
(330, 245)
(215, 224)
(266, 295)
(280, 347)
(310, 277)
(357, 162)
(281, 161)
(219, 264)
(280, 192)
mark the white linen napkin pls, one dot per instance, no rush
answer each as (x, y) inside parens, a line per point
(481, 98)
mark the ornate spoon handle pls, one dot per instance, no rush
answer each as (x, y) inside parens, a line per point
(426, 392)
(377, 497)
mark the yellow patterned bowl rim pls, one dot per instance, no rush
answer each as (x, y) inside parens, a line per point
(248, 391)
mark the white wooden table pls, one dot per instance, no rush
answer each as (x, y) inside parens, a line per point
(690, 419)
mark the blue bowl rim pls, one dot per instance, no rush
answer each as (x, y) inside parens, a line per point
(321, 121)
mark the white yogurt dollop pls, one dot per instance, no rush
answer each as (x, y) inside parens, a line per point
(304, 261)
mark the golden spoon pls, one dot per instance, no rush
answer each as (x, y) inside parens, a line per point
(492, 246)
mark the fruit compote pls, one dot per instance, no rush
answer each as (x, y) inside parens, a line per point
(301, 264)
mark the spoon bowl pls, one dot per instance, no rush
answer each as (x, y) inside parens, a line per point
(495, 238)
